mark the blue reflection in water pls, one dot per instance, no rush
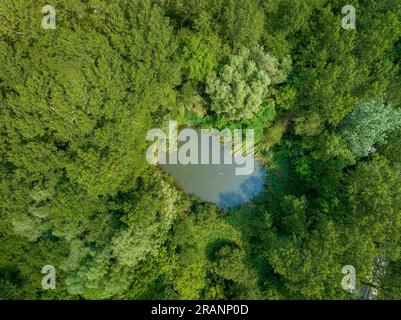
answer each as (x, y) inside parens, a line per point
(247, 190)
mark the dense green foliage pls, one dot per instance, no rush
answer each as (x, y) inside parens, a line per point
(368, 124)
(238, 90)
(76, 189)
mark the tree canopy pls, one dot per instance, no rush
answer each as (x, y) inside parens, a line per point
(77, 192)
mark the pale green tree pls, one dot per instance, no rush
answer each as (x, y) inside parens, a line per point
(238, 89)
(369, 124)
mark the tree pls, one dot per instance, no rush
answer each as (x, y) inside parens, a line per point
(369, 124)
(73, 148)
(389, 286)
(199, 54)
(372, 208)
(231, 265)
(239, 88)
(196, 236)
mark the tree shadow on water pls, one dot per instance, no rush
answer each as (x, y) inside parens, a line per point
(248, 189)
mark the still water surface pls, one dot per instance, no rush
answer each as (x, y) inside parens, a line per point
(217, 183)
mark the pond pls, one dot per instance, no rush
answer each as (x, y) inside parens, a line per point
(217, 183)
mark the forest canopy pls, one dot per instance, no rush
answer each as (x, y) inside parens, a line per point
(77, 192)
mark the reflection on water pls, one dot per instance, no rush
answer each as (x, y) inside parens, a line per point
(217, 183)
(248, 189)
